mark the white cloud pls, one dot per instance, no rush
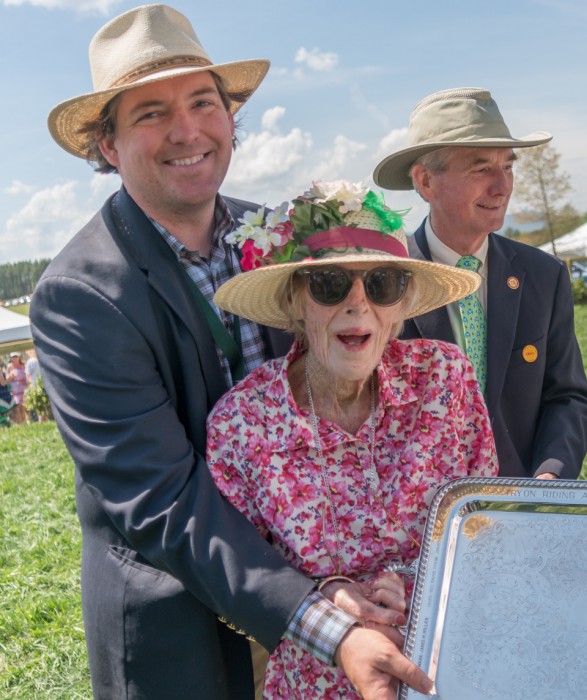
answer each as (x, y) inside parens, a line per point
(262, 157)
(102, 184)
(266, 155)
(17, 187)
(402, 200)
(341, 161)
(51, 217)
(316, 60)
(99, 6)
(395, 140)
(270, 166)
(271, 117)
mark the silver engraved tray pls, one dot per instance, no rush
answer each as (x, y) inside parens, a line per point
(500, 600)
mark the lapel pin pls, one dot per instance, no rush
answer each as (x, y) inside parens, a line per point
(513, 282)
(530, 353)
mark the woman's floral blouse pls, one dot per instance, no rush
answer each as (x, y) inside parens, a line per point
(431, 427)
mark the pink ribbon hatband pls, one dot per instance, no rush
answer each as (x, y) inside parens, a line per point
(347, 236)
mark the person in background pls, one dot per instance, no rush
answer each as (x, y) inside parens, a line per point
(33, 373)
(518, 328)
(167, 563)
(32, 368)
(335, 452)
(5, 394)
(16, 377)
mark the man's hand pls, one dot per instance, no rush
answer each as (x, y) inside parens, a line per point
(375, 665)
(547, 475)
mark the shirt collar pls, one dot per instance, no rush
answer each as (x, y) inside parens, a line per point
(441, 253)
(223, 225)
(394, 390)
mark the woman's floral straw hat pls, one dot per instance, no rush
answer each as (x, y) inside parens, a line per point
(333, 223)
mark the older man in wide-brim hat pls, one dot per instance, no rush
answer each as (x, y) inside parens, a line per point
(135, 354)
(518, 327)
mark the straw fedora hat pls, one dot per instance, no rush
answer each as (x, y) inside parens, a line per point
(466, 117)
(144, 45)
(332, 224)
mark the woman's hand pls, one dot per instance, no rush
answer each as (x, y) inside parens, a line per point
(379, 601)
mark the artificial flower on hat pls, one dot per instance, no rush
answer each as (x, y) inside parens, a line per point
(332, 223)
(281, 235)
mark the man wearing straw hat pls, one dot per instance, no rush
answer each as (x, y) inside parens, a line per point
(518, 328)
(134, 356)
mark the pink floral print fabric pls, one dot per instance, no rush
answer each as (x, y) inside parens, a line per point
(431, 427)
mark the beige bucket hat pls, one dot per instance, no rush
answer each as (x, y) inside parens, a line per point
(467, 117)
(334, 223)
(144, 45)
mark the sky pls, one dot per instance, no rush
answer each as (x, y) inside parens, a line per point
(344, 79)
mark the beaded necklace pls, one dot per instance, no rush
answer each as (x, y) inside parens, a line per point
(371, 473)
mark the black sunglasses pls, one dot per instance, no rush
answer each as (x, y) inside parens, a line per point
(384, 286)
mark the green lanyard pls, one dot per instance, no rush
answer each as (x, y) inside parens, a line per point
(230, 346)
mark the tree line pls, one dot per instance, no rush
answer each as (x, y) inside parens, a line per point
(540, 195)
(19, 279)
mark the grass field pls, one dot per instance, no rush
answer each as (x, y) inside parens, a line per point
(42, 652)
(581, 330)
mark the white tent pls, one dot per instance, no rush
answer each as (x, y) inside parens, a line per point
(571, 245)
(13, 327)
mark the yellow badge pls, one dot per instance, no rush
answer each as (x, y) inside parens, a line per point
(530, 353)
(514, 283)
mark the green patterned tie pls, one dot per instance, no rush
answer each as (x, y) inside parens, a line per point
(474, 325)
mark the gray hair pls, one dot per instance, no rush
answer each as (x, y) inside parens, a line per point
(434, 162)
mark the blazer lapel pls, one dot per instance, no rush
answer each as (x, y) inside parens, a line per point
(435, 324)
(154, 256)
(504, 292)
(166, 276)
(503, 305)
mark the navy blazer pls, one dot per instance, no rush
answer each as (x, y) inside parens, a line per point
(132, 372)
(538, 409)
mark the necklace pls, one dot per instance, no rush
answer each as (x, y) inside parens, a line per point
(371, 474)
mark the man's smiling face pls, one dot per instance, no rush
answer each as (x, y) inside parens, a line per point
(470, 197)
(172, 144)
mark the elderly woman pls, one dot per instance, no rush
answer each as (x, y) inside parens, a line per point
(335, 451)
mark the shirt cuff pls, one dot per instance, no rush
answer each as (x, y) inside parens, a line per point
(318, 627)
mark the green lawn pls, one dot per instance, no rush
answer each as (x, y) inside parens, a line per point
(22, 309)
(42, 652)
(581, 330)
